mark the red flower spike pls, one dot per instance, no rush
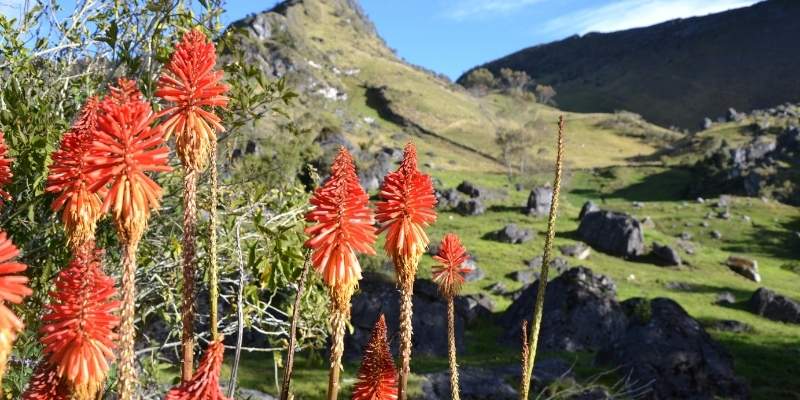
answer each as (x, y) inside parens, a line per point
(5, 169)
(13, 287)
(204, 384)
(192, 85)
(45, 385)
(125, 147)
(343, 225)
(124, 92)
(68, 178)
(78, 332)
(377, 377)
(449, 274)
(407, 207)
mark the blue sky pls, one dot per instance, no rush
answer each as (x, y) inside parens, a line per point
(451, 36)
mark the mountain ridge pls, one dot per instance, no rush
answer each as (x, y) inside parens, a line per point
(676, 72)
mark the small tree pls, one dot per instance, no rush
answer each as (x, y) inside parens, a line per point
(514, 81)
(480, 81)
(545, 94)
(513, 143)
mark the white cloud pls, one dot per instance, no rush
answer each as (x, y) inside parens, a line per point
(465, 9)
(626, 14)
(11, 8)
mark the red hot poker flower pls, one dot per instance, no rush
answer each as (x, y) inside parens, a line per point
(78, 332)
(343, 225)
(13, 287)
(5, 169)
(204, 385)
(68, 178)
(45, 385)
(124, 149)
(407, 207)
(377, 377)
(449, 274)
(193, 86)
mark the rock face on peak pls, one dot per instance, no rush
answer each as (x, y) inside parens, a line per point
(676, 72)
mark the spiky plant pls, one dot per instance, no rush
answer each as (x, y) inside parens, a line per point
(377, 377)
(204, 384)
(69, 181)
(406, 208)
(529, 352)
(192, 87)
(343, 227)
(78, 330)
(449, 275)
(125, 148)
(13, 289)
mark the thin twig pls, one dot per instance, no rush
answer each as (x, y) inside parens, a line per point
(287, 372)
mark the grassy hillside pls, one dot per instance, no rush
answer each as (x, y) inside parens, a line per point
(676, 72)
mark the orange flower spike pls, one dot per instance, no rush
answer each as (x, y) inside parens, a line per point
(13, 289)
(407, 207)
(5, 169)
(377, 377)
(343, 225)
(192, 85)
(125, 147)
(45, 385)
(450, 272)
(204, 384)
(69, 181)
(78, 331)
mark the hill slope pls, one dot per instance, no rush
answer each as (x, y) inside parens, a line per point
(676, 72)
(352, 83)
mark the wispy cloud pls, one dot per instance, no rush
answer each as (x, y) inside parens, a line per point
(11, 8)
(626, 14)
(467, 9)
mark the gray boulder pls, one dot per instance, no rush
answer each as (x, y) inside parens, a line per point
(774, 306)
(470, 189)
(558, 266)
(539, 201)
(447, 198)
(730, 325)
(669, 350)
(588, 207)
(614, 233)
(578, 250)
(745, 267)
(470, 207)
(666, 255)
(476, 273)
(376, 166)
(474, 384)
(513, 234)
(378, 294)
(725, 299)
(580, 312)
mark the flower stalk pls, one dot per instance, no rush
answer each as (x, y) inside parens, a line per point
(529, 355)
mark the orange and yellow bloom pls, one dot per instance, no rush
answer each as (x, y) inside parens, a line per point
(204, 384)
(449, 273)
(377, 377)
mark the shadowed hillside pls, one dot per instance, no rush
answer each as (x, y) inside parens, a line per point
(676, 72)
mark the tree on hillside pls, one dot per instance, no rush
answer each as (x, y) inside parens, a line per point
(480, 81)
(514, 81)
(513, 143)
(545, 94)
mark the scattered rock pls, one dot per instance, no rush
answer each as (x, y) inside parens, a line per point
(724, 201)
(637, 204)
(511, 233)
(686, 235)
(666, 255)
(667, 348)
(580, 312)
(470, 207)
(716, 234)
(745, 267)
(477, 306)
(557, 266)
(470, 189)
(447, 198)
(725, 299)
(524, 276)
(701, 200)
(578, 250)
(729, 325)
(474, 384)
(476, 273)
(539, 201)
(648, 223)
(614, 233)
(705, 224)
(774, 306)
(686, 246)
(680, 286)
(726, 214)
(588, 207)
